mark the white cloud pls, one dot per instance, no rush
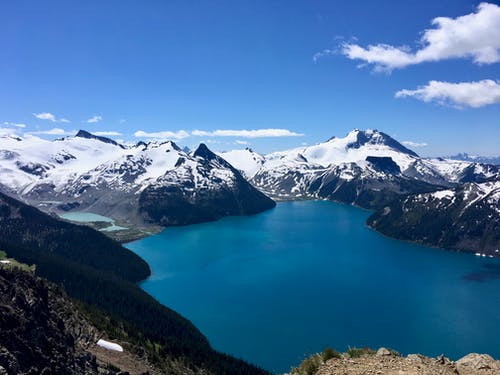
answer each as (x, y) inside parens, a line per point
(8, 131)
(470, 94)
(162, 134)
(54, 131)
(257, 133)
(122, 120)
(240, 142)
(17, 125)
(94, 119)
(107, 133)
(50, 117)
(211, 141)
(415, 144)
(325, 52)
(45, 116)
(475, 35)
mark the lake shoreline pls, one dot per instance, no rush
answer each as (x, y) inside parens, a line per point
(185, 257)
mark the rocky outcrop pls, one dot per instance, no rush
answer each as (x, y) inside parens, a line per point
(43, 332)
(388, 362)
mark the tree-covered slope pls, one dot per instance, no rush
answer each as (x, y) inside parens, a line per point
(83, 262)
(465, 218)
(24, 225)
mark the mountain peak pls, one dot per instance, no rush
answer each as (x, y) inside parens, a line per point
(204, 152)
(375, 137)
(85, 134)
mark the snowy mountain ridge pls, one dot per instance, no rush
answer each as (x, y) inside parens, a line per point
(98, 174)
(368, 156)
(160, 183)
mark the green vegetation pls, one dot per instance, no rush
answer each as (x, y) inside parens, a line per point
(13, 263)
(101, 275)
(310, 365)
(329, 353)
(359, 352)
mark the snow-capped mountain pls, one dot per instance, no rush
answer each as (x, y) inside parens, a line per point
(100, 175)
(367, 168)
(464, 218)
(247, 161)
(159, 182)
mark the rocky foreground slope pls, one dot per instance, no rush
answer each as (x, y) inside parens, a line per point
(43, 332)
(388, 362)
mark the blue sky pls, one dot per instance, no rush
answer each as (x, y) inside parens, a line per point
(144, 67)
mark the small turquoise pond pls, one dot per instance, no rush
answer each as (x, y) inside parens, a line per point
(89, 217)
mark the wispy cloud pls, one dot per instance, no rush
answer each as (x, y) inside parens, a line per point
(45, 116)
(17, 125)
(54, 131)
(107, 133)
(325, 52)
(50, 117)
(470, 94)
(240, 142)
(414, 144)
(162, 134)
(94, 119)
(256, 133)
(475, 36)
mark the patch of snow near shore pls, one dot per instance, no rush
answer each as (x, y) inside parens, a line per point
(109, 345)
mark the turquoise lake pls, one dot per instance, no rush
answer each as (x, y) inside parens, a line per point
(275, 287)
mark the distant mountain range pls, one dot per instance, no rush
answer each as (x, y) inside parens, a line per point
(366, 168)
(475, 158)
(158, 182)
(154, 182)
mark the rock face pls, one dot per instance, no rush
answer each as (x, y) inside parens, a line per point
(477, 363)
